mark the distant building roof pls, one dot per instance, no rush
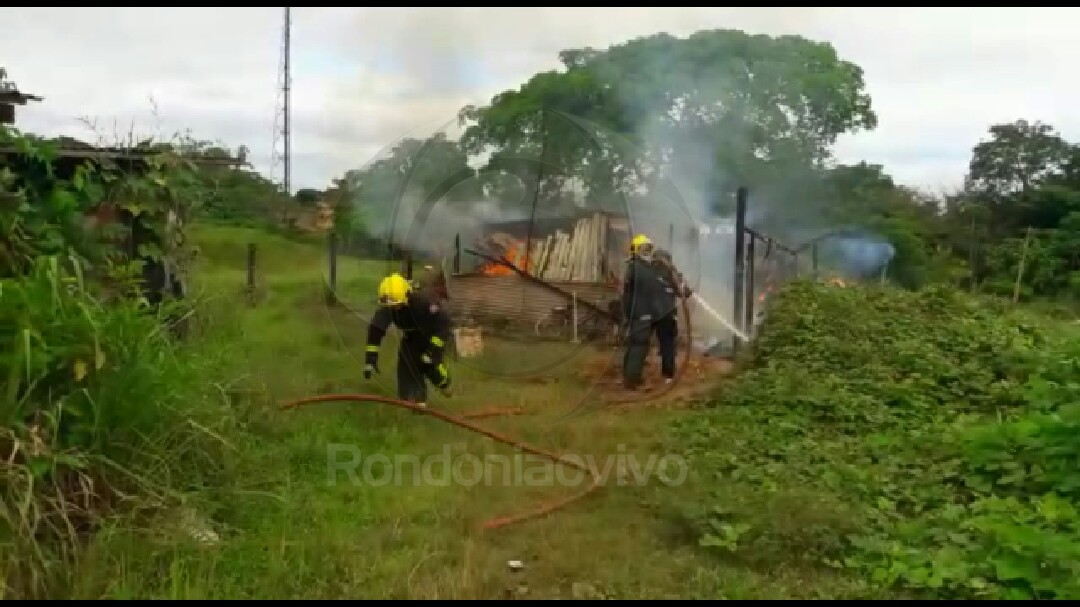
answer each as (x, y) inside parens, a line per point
(15, 97)
(69, 148)
(96, 153)
(10, 96)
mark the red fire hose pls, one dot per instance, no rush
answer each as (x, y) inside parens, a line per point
(460, 421)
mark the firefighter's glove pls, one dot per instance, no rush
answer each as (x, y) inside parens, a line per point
(433, 356)
(444, 380)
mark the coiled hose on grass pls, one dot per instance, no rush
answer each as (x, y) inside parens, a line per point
(498, 522)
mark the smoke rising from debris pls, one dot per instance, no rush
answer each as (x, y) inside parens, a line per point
(423, 200)
(679, 211)
(857, 255)
(431, 229)
(678, 194)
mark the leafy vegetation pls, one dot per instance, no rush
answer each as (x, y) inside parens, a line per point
(911, 440)
(103, 412)
(935, 433)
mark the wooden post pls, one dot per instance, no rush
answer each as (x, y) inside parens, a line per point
(749, 320)
(331, 296)
(250, 287)
(408, 264)
(972, 252)
(1020, 270)
(573, 303)
(457, 253)
(740, 259)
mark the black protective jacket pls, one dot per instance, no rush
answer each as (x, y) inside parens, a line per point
(643, 293)
(423, 321)
(674, 288)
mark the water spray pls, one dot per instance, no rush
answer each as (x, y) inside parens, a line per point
(730, 326)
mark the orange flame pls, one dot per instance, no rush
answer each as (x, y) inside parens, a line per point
(767, 292)
(513, 252)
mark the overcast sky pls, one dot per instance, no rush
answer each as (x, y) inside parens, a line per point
(364, 77)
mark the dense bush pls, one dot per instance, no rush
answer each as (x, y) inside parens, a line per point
(941, 432)
(103, 413)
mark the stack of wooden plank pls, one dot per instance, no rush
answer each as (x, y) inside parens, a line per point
(574, 257)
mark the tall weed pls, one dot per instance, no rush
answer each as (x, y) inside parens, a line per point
(104, 413)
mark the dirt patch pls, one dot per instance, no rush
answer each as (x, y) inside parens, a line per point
(699, 377)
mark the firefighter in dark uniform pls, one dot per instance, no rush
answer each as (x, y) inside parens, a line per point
(667, 326)
(642, 300)
(425, 326)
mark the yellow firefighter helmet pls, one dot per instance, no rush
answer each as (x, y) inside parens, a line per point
(394, 290)
(640, 244)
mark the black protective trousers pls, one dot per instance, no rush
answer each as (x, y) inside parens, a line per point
(667, 331)
(637, 349)
(413, 372)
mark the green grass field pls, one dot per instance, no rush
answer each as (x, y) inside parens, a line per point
(287, 531)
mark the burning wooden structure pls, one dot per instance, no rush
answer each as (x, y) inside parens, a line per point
(526, 270)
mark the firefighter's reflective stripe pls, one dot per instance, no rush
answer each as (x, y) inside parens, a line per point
(444, 375)
(437, 342)
(373, 348)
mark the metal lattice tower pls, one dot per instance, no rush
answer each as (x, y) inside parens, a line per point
(282, 126)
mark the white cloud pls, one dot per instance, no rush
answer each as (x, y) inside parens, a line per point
(363, 78)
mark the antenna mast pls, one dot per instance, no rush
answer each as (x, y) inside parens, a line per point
(282, 115)
(288, 94)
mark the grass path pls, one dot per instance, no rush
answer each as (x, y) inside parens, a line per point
(289, 532)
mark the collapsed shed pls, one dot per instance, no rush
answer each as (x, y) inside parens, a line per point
(578, 257)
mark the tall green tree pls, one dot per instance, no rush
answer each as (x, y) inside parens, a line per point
(1025, 176)
(718, 108)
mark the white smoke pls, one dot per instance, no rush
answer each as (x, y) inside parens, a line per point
(681, 211)
(431, 221)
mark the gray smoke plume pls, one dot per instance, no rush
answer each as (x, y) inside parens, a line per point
(426, 212)
(856, 254)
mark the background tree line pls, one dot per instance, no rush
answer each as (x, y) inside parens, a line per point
(718, 109)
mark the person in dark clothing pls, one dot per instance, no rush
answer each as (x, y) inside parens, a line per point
(667, 325)
(425, 326)
(642, 299)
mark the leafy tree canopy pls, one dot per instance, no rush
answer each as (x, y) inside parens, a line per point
(720, 103)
